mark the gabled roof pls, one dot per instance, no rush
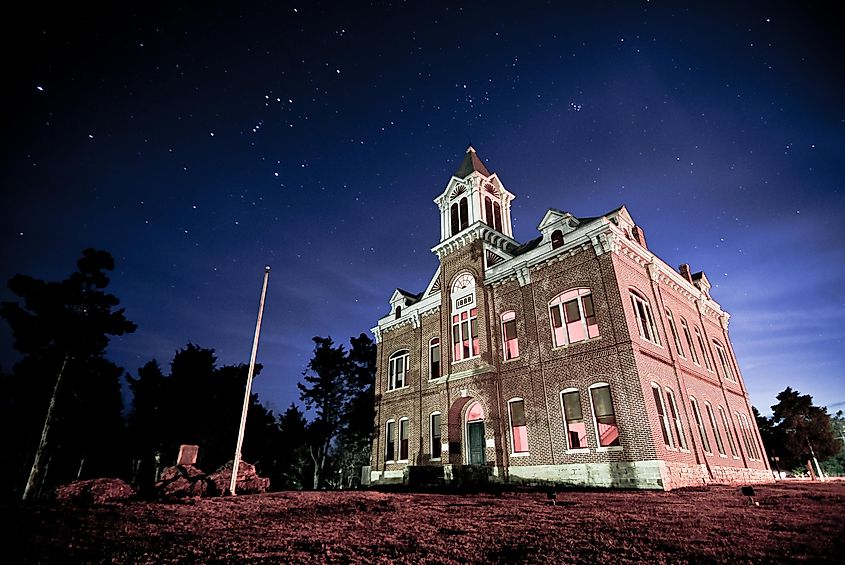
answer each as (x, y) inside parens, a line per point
(470, 164)
(400, 294)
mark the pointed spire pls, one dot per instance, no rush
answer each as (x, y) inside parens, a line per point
(470, 163)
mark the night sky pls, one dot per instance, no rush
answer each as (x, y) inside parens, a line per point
(198, 144)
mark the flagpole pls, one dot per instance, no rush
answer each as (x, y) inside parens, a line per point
(237, 461)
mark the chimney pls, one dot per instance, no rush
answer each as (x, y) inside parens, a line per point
(685, 272)
(639, 235)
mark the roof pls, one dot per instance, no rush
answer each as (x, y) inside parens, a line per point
(470, 164)
(410, 295)
(526, 247)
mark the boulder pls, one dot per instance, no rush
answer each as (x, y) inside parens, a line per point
(181, 481)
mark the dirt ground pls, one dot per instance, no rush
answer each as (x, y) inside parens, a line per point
(794, 521)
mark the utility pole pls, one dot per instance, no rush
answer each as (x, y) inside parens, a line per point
(237, 461)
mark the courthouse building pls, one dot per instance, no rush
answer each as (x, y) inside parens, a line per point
(578, 357)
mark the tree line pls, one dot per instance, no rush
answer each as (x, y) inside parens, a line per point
(63, 416)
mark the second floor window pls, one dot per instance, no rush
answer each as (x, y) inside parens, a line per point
(675, 337)
(511, 343)
(703, 345)
(434, 358)
(723, 361)
(397, 370)
(645, 321)
(688, 337)
(464, 318)
(573, 317)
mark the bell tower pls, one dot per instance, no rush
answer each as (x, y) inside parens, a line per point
(474, 195)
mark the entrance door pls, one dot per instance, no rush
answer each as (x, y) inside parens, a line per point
(475, 430)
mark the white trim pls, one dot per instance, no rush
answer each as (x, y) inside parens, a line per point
(387, 442)
(392, 360)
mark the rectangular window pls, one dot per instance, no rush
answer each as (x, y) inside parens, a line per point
(645, 321)
(573, 317)
(605, 416)
(668, 439)
(705, 443)
(573, 417)
(728, 432)
(723, 360)
(397, 370)
(519, 431)
(390, 439)
(511, 343)
(688, 337)
(434, 358)
(716, 433)
(465, 334)
(436, 444)
(701, 343)
(676, 417)
(403, 439)
(675, 337)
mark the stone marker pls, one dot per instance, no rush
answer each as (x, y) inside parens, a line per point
(187, 455)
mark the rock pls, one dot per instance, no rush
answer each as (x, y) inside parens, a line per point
(248, 481)
(181, 481)
(94, 492)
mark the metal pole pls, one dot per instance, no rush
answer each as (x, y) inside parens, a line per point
(237, 461)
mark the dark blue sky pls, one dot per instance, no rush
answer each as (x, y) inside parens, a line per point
(198, 144)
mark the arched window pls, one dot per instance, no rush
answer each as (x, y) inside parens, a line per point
(488, 211)
(497, 216)
(573, 317)
(464, 318)
(434, 358)
(703, 345)
(604, 415)
(397, 370)
(519, 429)
(436, 437)
(475, 412)
(455, 220)
(645, 320)
(557, 239)
(398, 311)
(671, 319)
(573, 419)
(464, 213)
(510, 341)
(723, 361)
(688, 337)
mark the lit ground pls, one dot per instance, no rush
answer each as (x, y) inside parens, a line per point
(794, 521)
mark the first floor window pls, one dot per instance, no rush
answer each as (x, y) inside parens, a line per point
(662, 415)
(511, 343)
(397, 369)
(435, 436)
(676, 417)
(723, 361)
(716, 433)
(645, 321)
(519, 431)
(728, 432)
(573, 417)
(434, 358)
(403, 439)
(605, 416)
(390, 439)
(573, 317)
(700, 423)
(748, 436)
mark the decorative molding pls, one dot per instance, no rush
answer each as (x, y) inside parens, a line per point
(523, 275)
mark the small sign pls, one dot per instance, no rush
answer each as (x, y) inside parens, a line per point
(491, 442)
(187, 454)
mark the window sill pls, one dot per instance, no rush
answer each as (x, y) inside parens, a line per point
(609, 448)
(512, 359)
(520, 454)
(435, 459)
(736, 457)
(723, 456)
(396, 389)
(651, 342)
(682, 450)
(566, 345)
(577, 450)
(389, 461)
(669, 448)
(708, 454)
(467, 359)
(401, 461)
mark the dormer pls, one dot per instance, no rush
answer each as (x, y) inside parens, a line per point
(399, 300)
(474, 194)
(555, 225)
(701, 282)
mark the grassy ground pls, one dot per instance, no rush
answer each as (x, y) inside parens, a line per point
(794, 521)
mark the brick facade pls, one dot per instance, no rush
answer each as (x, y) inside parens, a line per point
(606, 257)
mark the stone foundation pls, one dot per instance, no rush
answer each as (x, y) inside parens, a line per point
(678, 475)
